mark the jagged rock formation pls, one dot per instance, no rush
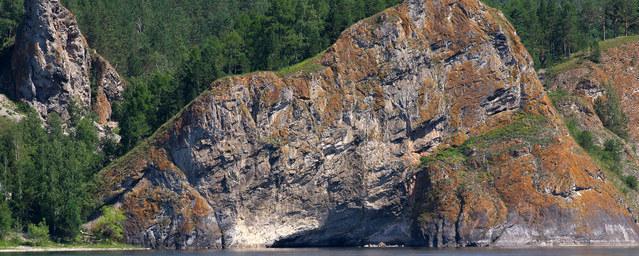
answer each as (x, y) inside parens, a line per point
(109, 87)
(330, 155)
(52, 64)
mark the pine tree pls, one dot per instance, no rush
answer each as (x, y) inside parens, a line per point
(133, 113)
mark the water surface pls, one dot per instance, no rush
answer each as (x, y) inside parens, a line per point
(368, 252)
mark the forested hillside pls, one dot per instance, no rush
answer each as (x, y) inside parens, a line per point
(10, 16)
(170, 51)
(555, 29)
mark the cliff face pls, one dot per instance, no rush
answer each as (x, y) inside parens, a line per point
(578, 88)
(52, 65)
(617, 73)
(328, 152)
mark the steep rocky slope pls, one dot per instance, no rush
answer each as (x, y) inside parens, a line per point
(423, 125)
(52, 66)
(618, 70)
(577, 87)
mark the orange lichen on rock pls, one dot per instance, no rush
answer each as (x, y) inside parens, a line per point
(302, 156)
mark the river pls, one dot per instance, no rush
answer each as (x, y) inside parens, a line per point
(581, 251)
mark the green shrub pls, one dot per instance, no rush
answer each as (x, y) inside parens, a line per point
(611, 114)
(608, 157)
(631, 182)
(5, 219)
(109, 227)
(595, 54)
(584, 138)
(614, 148)
(39, 234)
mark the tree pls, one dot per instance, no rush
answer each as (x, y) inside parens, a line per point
(595, 52)
(10, 17)
(611, 113)
(109, 227)
(234, 52)
(5, 218)
(133, 113)
(629, 14)
(201, 67)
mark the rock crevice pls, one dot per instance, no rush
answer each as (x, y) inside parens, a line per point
(331, 157)
(53, 67)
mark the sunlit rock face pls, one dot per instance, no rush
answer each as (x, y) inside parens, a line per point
(52, 65)
(329, 154)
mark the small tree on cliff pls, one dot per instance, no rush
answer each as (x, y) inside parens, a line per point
(611, 113)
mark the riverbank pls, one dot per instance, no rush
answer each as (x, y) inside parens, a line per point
(49, 246)
(69, 249)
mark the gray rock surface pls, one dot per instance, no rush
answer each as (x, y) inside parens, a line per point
(330, 155)
(52, 64)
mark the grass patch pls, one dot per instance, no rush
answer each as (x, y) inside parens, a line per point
(307, 66)
(449, 155)
(616, 42)
(569, 64)
(528, 128)
(578, 58)
(12, 242)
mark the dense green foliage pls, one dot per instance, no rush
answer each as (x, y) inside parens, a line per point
(554, 29)
(6, 221)
(38, 233)
(143, 36)
(47, 174)
(10, 16)
(172, 50)
(110, 226)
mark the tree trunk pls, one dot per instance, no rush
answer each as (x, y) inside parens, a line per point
(626, 26)
(604, 29)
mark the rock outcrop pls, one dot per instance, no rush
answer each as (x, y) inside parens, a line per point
(578, 88)
(52, 65)
(617, 72)
(424, 125)
(9, 110)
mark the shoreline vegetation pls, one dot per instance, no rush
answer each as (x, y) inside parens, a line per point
(69, 249)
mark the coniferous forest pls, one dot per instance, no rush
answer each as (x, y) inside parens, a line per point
(170, 51)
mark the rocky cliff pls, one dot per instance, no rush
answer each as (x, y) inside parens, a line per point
(423, 125)
(617, 72)
(580, 85)
(53, 67)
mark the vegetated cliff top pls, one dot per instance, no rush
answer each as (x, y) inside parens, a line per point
(423, 125)
(616, 68)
